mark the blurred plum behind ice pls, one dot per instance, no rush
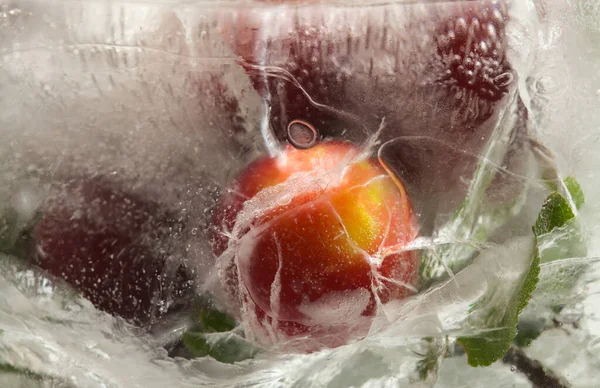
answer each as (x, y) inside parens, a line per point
(146, 95)
(431, 70)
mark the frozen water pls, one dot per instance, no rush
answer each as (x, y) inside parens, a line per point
(454, 374)
(171, 100)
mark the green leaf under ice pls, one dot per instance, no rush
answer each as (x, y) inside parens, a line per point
(559, 239)
(485, 349)
(16, 233)
(214, 321)
(559, 232)
(555, 213)
(223, 347)
(562, 237)
(214, 335)
(527, 331)
(490, 346)
(6, 368)
(428, 366)
(575, 190)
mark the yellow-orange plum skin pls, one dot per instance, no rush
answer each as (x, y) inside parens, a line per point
(297, 261)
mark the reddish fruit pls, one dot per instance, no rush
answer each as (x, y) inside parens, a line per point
(321, 257)
(471, 53)
(112, 246)
(338, 55)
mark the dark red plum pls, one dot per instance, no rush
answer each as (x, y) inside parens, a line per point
(115, 247)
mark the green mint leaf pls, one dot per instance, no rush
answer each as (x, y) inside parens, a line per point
(559, 238)
(16, 233)
(16, 376)
(555, 213)
(485, 349)
(196, 343)
(490, 346)
(527, 331)
(226, 348)
(8, 230)
(6, 368)
(214, 335)
(428, 366)
(214, 321)
(557, 229)
(575, 191)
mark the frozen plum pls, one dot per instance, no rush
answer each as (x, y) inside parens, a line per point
(114, 247)
(322, 256)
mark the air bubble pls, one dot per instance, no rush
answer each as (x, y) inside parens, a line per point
(460, 27)
(547, 85)
(302, 135)
(443, 41)
(483, 47)
(491, 31)
(284, 199)
(503, 79)
(475, 25)
(497, 16)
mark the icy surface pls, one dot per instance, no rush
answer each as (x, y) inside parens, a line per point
(153, 94)
(454, 374)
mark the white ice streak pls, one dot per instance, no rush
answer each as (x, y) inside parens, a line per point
(336, 307)
(275, 297)
(495, 272)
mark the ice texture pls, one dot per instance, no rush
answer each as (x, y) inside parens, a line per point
(172, 100)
